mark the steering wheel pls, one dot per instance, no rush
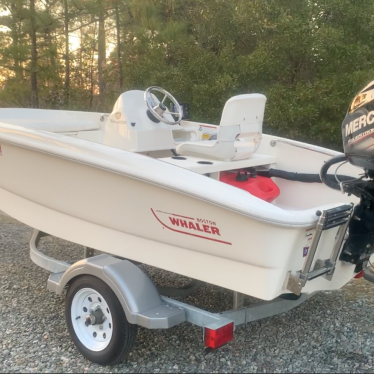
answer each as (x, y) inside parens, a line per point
(158, 109)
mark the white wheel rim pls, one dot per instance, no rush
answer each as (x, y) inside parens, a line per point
(93, 337)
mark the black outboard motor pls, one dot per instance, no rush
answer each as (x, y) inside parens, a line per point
(358, 142)
(358, 129)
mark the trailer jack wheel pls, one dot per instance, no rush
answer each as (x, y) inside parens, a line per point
(96, 321)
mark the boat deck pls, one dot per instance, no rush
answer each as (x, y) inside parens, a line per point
(204, 166)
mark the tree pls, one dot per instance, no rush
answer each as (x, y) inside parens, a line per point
(308, 58)
(101, 53)
(34, 57)
(67, 52)
(118, 40)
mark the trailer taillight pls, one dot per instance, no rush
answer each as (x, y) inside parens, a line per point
(359, 275)
(216, 338)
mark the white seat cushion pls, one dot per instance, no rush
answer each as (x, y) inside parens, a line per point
(214, 149)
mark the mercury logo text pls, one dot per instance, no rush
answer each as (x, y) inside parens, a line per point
(359, 123)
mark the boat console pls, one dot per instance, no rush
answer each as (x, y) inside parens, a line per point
(133, 126)
(138, 124)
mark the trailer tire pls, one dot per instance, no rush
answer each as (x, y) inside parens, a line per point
(96, 321)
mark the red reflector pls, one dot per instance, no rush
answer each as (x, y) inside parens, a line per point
(359, 275)
(216, 338)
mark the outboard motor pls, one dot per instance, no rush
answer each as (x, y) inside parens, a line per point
(358, 142)
(358, 130)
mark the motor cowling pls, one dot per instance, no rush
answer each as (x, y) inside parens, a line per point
(358, 129)
(358, 143)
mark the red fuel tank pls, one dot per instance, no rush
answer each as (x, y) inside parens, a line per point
(261, 187)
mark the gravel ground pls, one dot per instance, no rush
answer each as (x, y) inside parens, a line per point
(332, 332)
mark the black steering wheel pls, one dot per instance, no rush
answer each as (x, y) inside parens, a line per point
(157, 107)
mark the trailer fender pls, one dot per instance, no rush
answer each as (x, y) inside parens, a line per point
(137, 294)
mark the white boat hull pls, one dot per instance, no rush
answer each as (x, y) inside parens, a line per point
(136, 218)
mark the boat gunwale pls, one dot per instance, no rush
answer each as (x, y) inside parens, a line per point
(304, 221)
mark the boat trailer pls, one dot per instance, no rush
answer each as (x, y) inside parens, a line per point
(142, 303)
(131, 293)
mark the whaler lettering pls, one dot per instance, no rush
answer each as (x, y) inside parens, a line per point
(195, 226)
(359, 123)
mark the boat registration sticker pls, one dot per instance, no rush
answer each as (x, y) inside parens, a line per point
(208, 132)
(307, 240)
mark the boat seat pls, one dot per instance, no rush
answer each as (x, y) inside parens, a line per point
(239, 134)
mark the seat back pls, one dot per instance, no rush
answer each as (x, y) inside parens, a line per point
(247, 111)
(244, 109)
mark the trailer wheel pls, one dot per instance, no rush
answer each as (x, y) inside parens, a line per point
(96, 321)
